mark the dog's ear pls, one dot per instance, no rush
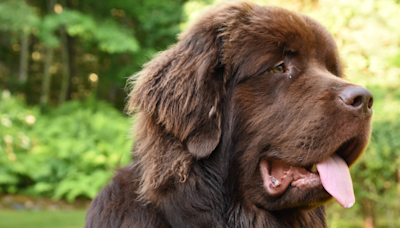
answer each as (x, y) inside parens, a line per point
(182, 89)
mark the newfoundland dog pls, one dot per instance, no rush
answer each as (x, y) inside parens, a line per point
(245, 122)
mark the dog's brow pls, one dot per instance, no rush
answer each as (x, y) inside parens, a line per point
(283, 53)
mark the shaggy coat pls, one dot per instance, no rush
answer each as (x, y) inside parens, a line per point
(245, 87)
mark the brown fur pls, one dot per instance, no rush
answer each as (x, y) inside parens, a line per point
(208, 110)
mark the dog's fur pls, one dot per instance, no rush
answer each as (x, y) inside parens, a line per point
(209, 109)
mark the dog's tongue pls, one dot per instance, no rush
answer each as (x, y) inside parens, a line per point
(336, 179)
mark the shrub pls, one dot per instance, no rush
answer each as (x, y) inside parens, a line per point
(67, 153)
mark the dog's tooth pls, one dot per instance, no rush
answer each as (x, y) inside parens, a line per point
(314, 169)
(275, 181)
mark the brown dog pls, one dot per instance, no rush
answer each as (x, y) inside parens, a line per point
(231, 121)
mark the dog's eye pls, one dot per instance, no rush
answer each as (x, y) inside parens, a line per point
(280, 69)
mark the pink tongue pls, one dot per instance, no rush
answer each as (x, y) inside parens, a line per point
(336, 179)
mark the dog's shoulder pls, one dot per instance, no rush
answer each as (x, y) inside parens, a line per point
(116, 205)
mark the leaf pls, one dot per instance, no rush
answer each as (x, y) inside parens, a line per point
(110, 36)
(16, 15)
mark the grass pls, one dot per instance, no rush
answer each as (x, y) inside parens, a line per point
(75, 219)
(42, 219)
(336, 217)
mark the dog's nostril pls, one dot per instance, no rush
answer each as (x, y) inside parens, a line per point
(357, 101)
(370, 102)
(358, 98)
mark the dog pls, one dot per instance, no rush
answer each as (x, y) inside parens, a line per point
(232, 122)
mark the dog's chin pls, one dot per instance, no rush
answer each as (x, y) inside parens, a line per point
(306, 199)
(291, 198)
(295, 198)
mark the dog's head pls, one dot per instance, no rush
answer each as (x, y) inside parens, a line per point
(264, 88)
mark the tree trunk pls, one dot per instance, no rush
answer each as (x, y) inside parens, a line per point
(112, 93)
(24, 58)
(46, 82)
(44, 98)
(65, 68)
(368, 210)
(73, 68)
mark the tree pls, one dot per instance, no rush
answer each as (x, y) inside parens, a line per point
(17, 17)
(111, 40)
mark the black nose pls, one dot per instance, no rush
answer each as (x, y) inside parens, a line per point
(358, 99)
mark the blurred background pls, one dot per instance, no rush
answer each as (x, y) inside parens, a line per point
(63, 68)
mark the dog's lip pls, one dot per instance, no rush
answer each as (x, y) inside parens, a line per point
(309, 178)
(278, 175)
(350, 150)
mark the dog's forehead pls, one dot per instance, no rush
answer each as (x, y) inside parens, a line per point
(298, 31)
(326, 51)
(275, 31)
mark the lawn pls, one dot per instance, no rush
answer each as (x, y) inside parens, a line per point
(42, 219)
(73, 219)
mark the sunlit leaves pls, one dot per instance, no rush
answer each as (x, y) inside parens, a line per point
(16, 15)
(70, 151)
(110, 36)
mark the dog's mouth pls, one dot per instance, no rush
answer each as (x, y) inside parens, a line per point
(331, 173)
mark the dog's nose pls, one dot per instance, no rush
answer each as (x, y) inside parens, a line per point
(358, 99)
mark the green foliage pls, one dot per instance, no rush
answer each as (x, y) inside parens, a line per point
(65, 154)
(111, 37)
(16, 15)
(16, 124)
